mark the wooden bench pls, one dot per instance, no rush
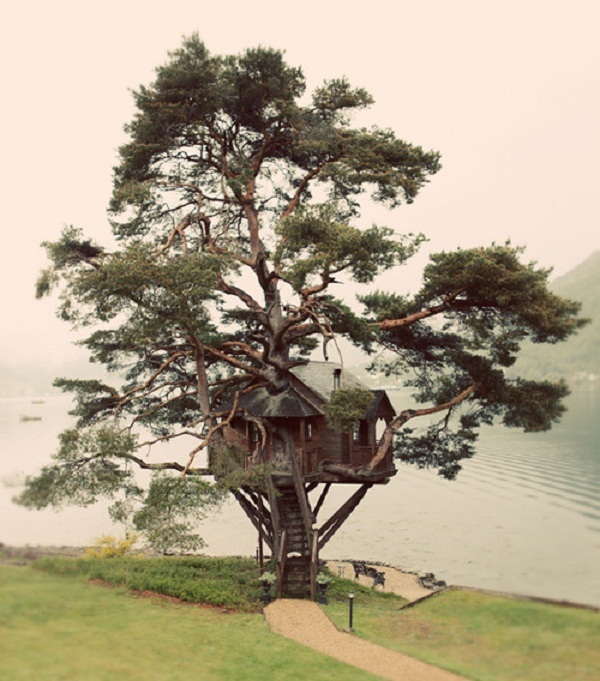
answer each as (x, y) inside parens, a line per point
(363, 569)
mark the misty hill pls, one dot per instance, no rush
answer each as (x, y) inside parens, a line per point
(577, 359)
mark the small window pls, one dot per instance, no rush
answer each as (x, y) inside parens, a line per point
(254, 433)
(308, 431)
(361, 434)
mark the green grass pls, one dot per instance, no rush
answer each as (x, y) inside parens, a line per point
(480, 636)
(58, 629)
(485, 637)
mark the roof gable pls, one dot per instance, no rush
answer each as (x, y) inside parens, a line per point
(310, 390)
(319, 378)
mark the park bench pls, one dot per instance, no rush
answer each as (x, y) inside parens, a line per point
(363, 569)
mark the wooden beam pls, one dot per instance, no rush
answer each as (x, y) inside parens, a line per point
(322, 498)
(253, 514)
(334, 523)
(258, 500)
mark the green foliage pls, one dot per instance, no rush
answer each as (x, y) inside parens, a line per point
(268, 578)
(347, 407)
(231, 582)
(227, 582)
(88, 466)
(250, 102)
(337, 594)
(323, 578)
(437, 448)
(229, 466)
(500, 292)
(316, 242)
(169, 511)
(466, 326)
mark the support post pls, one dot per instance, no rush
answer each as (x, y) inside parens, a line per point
(314, 564)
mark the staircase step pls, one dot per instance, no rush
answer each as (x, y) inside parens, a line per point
(296, 563)
(298, 571)
(297, 530)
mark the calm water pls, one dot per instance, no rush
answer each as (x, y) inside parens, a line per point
(523, 516)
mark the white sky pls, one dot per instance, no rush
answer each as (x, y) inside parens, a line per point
(507, 90)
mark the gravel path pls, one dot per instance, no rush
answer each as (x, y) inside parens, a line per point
(306, 623)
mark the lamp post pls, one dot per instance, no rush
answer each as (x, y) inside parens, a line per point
(351, 609)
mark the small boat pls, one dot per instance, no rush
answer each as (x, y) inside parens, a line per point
(30, 418)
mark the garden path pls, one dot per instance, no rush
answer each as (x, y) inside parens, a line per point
(306, 623)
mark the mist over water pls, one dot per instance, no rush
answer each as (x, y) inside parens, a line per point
(523, 515)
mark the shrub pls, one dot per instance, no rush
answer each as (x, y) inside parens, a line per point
(226, 582)
(110, 547)
(347, 407)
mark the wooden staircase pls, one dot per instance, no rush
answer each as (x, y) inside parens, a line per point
(283, 516)
(296, 568)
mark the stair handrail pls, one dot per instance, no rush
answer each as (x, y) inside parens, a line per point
(280, 564)
(307, 515)
(314, 564)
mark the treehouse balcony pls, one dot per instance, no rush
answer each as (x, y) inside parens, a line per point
(318, 465)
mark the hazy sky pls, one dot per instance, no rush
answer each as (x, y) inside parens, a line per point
(507, 90)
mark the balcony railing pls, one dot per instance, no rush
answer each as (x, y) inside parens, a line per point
(310, 457)
(361, 455)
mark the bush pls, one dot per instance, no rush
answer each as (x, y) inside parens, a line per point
(227, 582)
(110, 547)
(346, 407)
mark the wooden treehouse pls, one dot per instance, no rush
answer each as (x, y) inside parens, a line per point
(304, 454)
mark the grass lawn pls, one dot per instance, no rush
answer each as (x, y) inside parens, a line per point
(57, 628)
(485, 637)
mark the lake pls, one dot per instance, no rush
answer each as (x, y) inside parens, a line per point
(523, 515)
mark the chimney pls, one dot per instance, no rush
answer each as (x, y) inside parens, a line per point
(337, 379)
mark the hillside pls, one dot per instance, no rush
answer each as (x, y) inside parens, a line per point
(578, 359)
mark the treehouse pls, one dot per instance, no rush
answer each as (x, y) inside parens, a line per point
(288, 431)
(298, 434)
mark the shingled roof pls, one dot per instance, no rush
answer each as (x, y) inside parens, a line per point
(319, 378)
(288, 403)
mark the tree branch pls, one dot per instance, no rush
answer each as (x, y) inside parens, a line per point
(388, 324)
(394, 426)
